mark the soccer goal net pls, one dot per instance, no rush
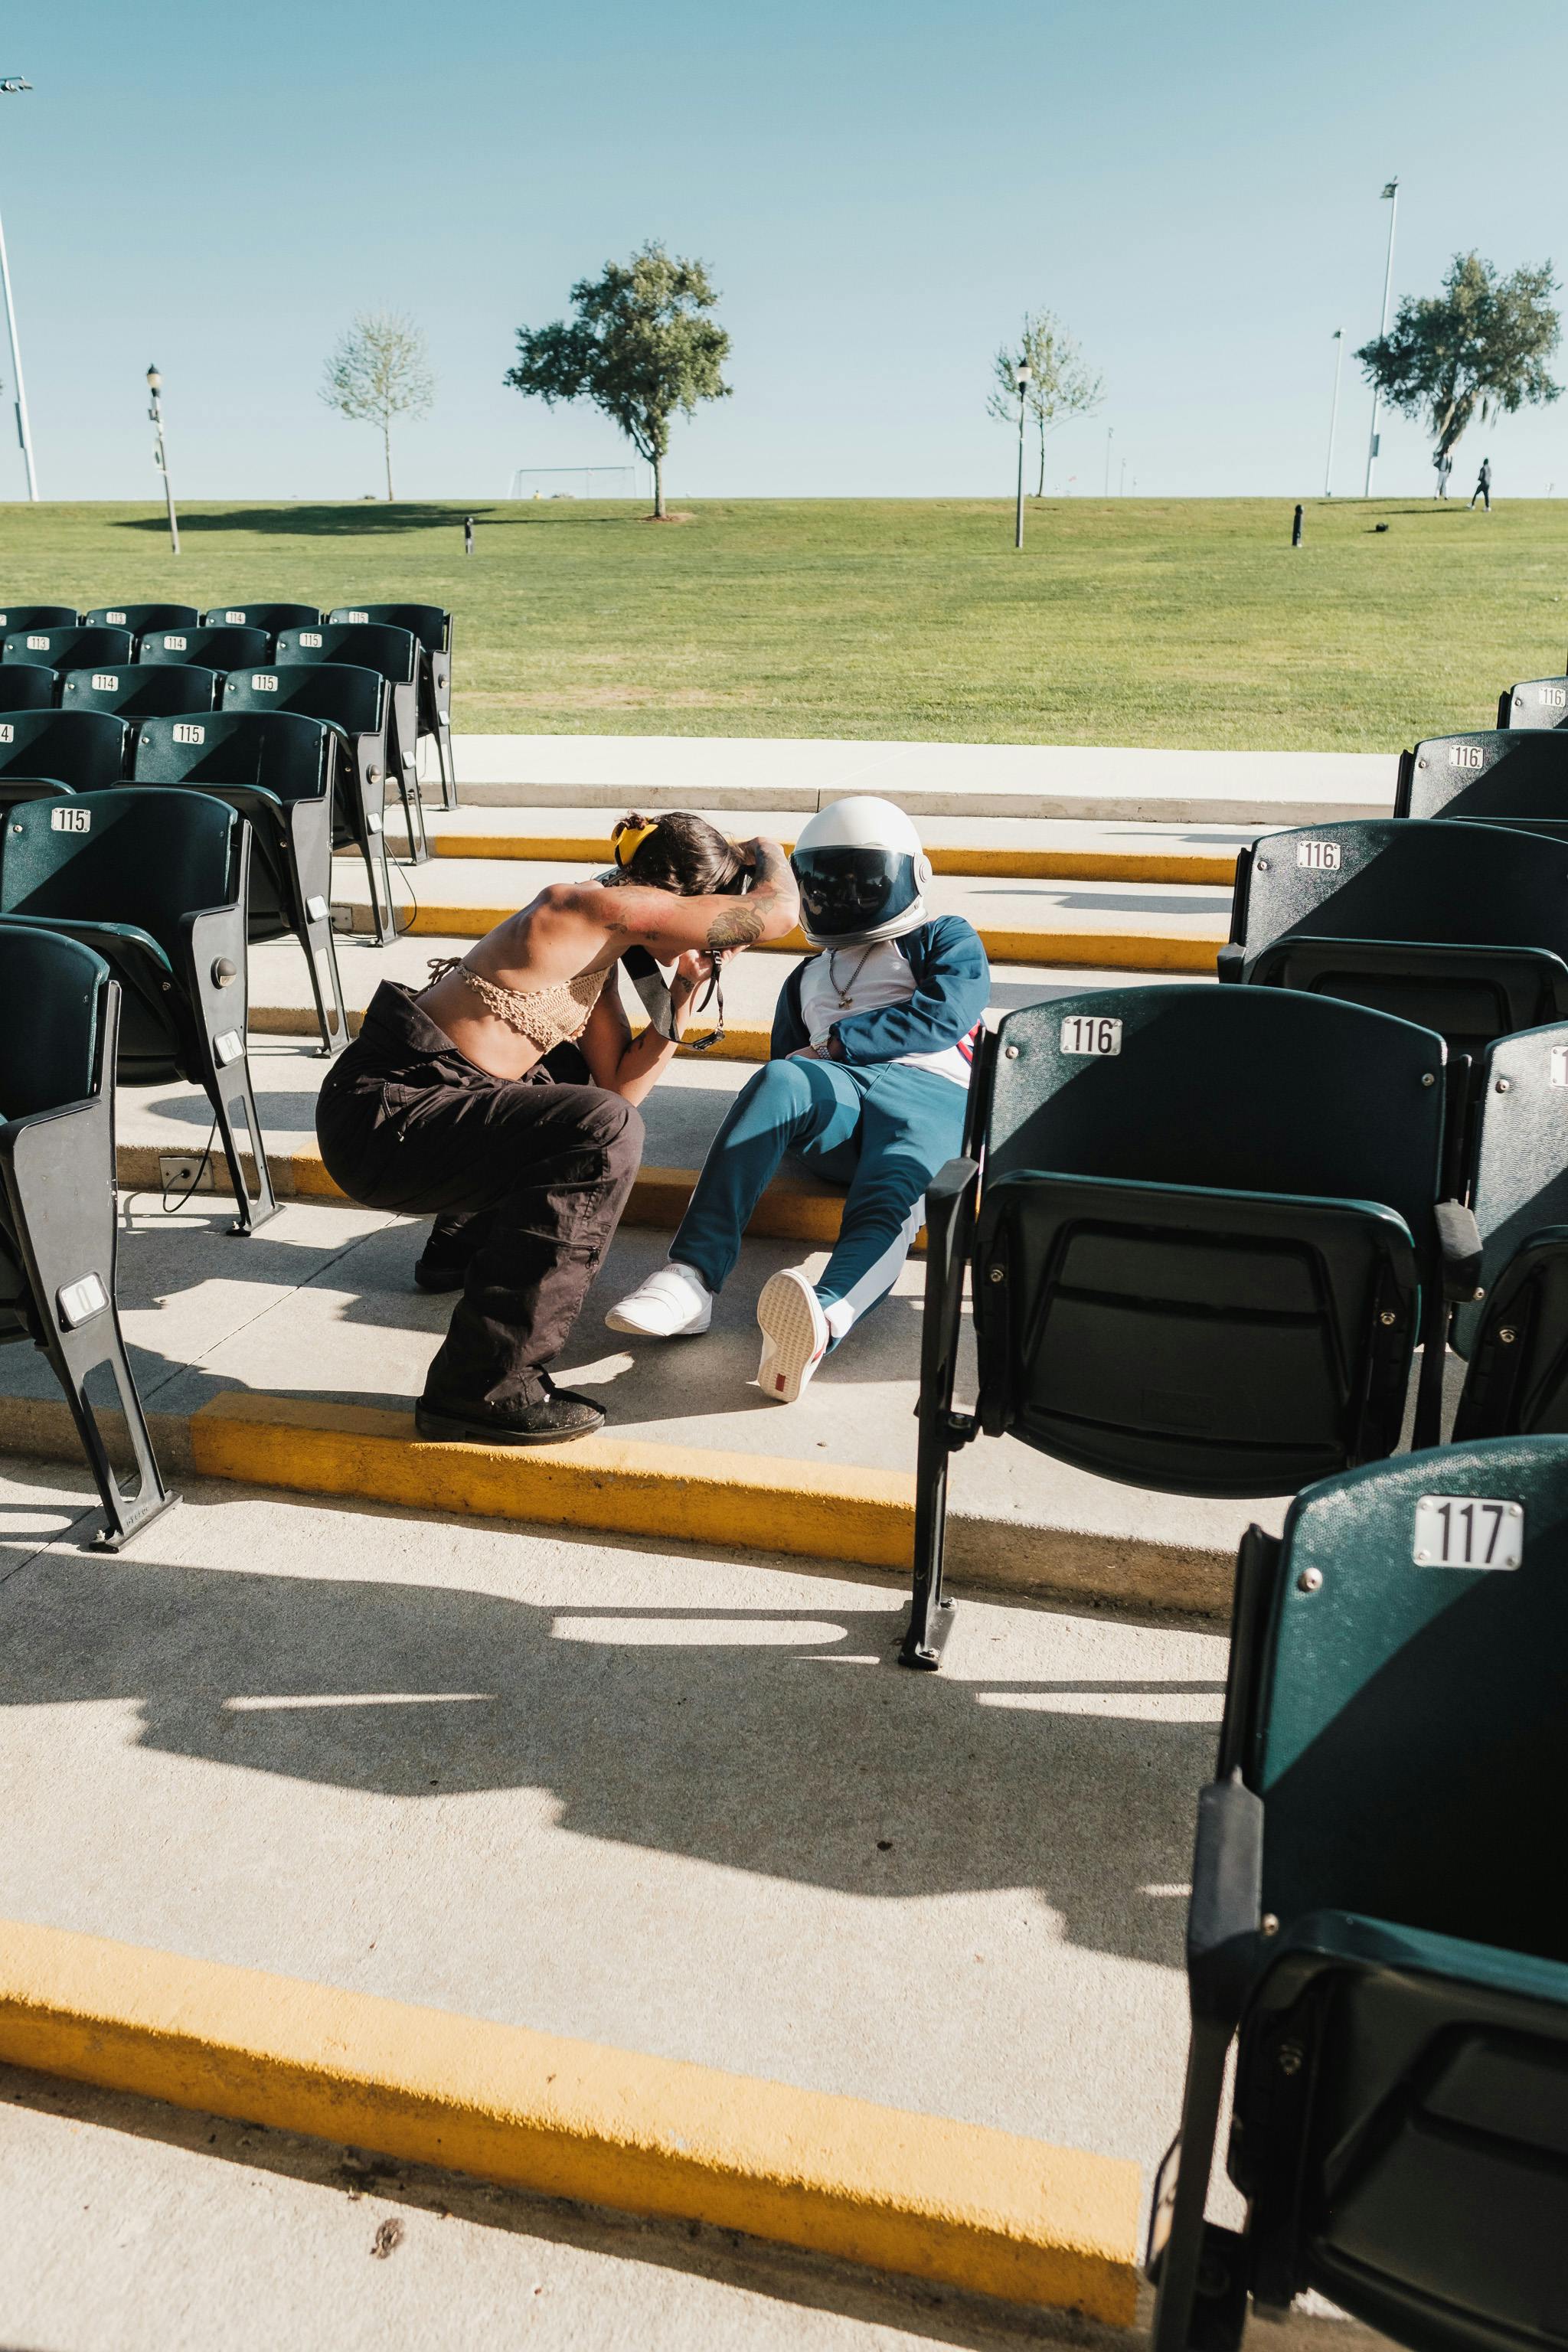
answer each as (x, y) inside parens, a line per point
(576, 482)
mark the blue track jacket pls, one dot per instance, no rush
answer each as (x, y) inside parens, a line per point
(952, 987)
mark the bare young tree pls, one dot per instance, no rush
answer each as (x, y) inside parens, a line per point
(1062, 385)
(380, 369)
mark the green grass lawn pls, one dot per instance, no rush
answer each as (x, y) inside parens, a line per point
(1133, 621)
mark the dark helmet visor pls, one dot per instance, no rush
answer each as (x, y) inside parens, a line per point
(853, 889)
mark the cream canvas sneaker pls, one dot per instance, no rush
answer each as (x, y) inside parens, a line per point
(795, 1335)
(673, 1304)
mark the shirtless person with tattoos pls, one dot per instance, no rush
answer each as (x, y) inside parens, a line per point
(500, 1099)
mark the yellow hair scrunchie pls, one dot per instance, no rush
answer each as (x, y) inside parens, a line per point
(628, 838)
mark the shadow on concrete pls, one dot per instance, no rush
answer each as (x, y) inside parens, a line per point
(785, 1741)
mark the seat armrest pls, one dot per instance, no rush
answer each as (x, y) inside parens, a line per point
(1460, 1239)
(1231, 960)
(1223, 1933)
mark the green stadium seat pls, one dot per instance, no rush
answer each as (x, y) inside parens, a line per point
(156, 884)
(139, 619)
(396, 656)
(140, 690)
(36, 616)
(1534, 702)
(1210, 1227)
(1376, 1919)
(1517, 1383)
(219, 649)
(1512, 775)
(28, 685)
(270, 617)
(68, 647)
(58, 1226)
(432, 627)
(60, 751)
(279, 771)
(355, 702)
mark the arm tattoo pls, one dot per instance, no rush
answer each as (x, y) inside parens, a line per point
(740, 926)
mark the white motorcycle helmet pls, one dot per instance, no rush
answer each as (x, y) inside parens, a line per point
(862, 874)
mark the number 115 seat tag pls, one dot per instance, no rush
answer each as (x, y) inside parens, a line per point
(1468, 1531)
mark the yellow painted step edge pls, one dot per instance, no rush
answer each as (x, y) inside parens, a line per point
(972, 2207)
(738, 1044)
(623, 1486)
(1011, 864)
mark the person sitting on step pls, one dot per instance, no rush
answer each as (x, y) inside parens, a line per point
(872, 1047)
(500, 1099)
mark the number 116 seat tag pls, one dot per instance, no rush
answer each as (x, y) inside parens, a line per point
(1468, 1531)
(1090, 1034)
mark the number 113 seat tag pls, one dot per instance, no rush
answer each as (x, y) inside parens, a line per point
(1468, 1531)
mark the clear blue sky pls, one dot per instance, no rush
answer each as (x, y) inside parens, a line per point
(880, 187)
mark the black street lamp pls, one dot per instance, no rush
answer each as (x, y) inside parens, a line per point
(1022, 376)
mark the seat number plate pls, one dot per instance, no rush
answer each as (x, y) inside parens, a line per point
(1321, 857)
(235, 619)
(8, 731)
(70, 819)
(1466, 755)
(38, 645)
(1090, 1034)
(359, 616)
(1468, 1531)
(262, 683)
(176, 644)
(106, 681)
(185, 733)
(310, 637)
(1558, 1067)
(1555, 698)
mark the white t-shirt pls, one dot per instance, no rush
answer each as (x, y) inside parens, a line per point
(871, 978)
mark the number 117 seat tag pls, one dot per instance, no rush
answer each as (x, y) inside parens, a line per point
(1468, 1531)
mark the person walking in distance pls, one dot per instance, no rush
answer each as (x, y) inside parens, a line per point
(1483, 489)
(1445, 467)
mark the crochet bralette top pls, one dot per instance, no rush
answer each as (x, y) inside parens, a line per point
(547, 1017)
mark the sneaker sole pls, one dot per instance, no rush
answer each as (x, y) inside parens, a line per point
(790, 1322)
(615, 1321)
(449, 1429)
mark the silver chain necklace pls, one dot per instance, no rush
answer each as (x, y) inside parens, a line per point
(844, 994)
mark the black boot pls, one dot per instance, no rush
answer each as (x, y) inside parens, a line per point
(547, 1420)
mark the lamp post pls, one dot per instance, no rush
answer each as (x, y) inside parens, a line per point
(1333, 412)
(1110, 434)
(1391, 198)
(1022, 376)
(12, 86)
(161, 458)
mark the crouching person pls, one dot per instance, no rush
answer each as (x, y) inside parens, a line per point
(501, 1100)
(872, 1048)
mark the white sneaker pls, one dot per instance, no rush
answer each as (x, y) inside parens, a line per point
(795, 1335)
(673, 1304)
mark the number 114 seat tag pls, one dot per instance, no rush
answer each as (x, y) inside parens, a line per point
(1468, 1531)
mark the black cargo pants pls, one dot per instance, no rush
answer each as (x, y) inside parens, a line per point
(407, 1123)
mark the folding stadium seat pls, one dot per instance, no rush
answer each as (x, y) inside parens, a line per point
(217, 648)
(1517, 1383)
(28, 685)
(140, 690)
(279, 771)
(47, 751)
(57, 1220)
(156, 884)
(1534, 702)
(432, 627)
(270, 617)
(396, 656)
(354, 702)
(1210, 1224)
(1377, 1920)
(36, 616)
(139, 619)
(1503, 776)
(67, 647)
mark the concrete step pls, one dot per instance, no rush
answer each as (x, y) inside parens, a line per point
(1127, 927)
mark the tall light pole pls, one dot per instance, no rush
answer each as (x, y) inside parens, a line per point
(1109, 430)
(1022, 374)
(160, 456)
(1391, 198)
(1333, 412)
(12, 86)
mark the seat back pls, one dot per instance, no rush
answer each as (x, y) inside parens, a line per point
(1505, 775)
(1517, 1384)
(143, 858)
(1407, 1724)
(1534, 702)
(1518, 1152)
(139, 690)
(36, 616)
(140, 617)
(216, 648)
(270, 617)
(392, 654)
(28, 685)
(48, 1045)
(68, 647)
(429, 623)
(354, 699)
(277, 751)
(83, 749)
